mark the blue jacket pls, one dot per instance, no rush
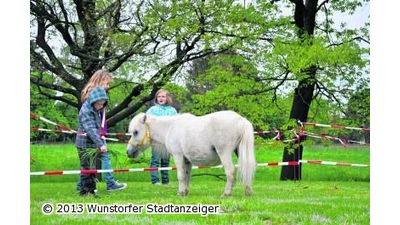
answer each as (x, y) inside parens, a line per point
(89, 121)
(161, 110)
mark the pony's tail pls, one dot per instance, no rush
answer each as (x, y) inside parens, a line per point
(246, 158)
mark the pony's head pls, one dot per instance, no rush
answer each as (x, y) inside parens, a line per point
(140, 135)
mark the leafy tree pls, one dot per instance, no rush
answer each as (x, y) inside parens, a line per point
(358, 108)
(230, 82)
(357, 114)
(57, 112)
(142, 42)
(317, 56)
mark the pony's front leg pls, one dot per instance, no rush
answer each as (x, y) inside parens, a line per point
(183, 171)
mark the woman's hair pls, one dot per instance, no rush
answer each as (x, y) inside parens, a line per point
(169, 98)
(99, 78)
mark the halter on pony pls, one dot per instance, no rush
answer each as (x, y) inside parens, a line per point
(144, 139)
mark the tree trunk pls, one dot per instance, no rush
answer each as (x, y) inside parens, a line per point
(292, 172)
(294, 152)
(304, 17)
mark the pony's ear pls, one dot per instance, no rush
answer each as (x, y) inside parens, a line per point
(144, 118)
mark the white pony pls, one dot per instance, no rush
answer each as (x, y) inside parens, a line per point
(207, 140)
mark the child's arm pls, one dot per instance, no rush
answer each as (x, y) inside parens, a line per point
(89, 126)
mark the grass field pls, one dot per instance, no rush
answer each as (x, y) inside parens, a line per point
(326, 194)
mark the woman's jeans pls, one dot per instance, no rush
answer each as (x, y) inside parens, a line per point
(155, 162)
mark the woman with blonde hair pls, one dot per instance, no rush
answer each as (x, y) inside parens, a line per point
(163, 107)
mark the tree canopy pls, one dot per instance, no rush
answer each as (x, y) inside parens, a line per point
(253, 54)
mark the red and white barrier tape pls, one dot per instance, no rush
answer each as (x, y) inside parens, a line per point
(64, 128)
(335, 126)
(255, 132)
(289, 163)
(119, 134)
(277, 137)
(51, 122)
(309, 134)
(48, 130)
(68, 132)
(320, 162)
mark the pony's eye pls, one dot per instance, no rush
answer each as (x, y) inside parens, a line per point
(135, 132)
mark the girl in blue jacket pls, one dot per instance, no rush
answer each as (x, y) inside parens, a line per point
(89, 137)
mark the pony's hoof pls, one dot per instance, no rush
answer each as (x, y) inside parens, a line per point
(248, 191)
(183, 193)
(224, 195)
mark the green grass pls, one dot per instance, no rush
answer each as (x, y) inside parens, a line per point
(326, 194)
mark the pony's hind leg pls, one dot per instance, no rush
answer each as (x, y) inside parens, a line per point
(248, 190)
(229, 168)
